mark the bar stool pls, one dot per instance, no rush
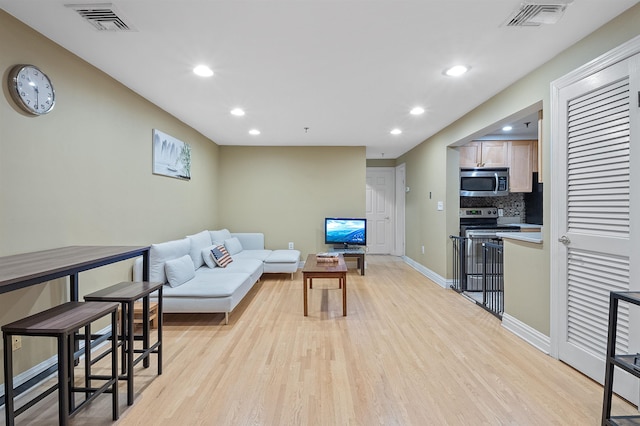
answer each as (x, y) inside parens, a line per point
(126, 293)
(62, 322)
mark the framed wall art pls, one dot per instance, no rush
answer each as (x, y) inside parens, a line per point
(171, 156)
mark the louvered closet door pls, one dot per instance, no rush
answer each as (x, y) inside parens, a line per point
(595, 221)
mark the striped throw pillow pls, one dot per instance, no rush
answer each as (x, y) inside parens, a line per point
(221, 256)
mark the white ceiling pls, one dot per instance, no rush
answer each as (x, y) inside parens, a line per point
(349, 70)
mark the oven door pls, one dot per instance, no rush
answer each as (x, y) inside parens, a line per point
(475, 238)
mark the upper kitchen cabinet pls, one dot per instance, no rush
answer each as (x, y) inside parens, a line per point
(519, 156)
(522, 156)
(484, 154)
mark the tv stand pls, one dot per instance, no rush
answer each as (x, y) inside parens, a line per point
(347, 251)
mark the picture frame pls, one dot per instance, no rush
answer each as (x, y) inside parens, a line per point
(171, 156)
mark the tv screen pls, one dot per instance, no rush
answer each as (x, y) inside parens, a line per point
(345, 231)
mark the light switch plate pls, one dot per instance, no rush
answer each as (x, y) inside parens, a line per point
(440, 205)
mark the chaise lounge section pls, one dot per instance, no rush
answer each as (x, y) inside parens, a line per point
(194, 280)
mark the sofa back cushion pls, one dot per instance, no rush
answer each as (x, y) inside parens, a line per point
(198, 242)
(160, 253)
(218, 237)
(179, 270)
(233, 245)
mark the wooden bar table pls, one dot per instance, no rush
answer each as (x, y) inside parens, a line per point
(24, 270)
(27, 269)
(314, 269)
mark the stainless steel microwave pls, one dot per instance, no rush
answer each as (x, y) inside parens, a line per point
(484, 182)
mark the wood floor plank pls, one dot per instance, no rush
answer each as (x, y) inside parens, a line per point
(408, 353)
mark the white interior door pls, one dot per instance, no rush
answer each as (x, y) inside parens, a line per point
(380, 209)
(592, 196)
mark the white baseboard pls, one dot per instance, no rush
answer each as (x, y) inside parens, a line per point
(438, 279)
(526, 333)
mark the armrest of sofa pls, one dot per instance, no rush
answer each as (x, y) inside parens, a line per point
(137, 269)
(250, 240)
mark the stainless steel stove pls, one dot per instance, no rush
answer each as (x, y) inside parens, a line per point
(479, 225)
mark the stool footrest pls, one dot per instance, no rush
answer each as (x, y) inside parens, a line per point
(37, 399)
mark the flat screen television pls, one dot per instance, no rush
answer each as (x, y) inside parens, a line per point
(342, 231)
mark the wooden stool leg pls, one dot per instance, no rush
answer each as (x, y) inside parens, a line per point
(8, 380)
(130, 343)
(114, 366)
(63, 378)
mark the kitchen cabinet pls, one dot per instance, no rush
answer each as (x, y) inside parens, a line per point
(484, 154)
(519, 156)
(521, 159)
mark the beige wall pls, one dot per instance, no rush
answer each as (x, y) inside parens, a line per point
(286, 192)
(524, 264)
(82, 174)
(426, 166)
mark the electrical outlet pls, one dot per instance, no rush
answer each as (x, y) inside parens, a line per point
(16, 343)
(290, 246)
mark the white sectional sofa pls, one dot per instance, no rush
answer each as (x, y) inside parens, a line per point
(194, 283)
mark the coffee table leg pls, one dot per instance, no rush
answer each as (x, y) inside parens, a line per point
(344, 295)
(304, 282)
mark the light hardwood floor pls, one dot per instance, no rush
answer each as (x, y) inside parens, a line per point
(408, 353)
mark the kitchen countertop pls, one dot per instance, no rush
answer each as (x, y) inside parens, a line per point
(526, 226)
(530, 237)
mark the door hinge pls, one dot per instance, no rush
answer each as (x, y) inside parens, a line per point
(638, 99)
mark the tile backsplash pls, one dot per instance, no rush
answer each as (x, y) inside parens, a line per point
(513, 204)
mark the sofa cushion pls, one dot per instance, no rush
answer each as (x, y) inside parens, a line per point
(198, 242)
(207, 256)
(160, 253)
(218, 237)
(221, 256)
(252, 254)
(233, 245)
(179, 270)
(283, 256)
(208, 283)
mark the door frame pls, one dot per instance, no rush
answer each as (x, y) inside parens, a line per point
(620, 53)
(397, 216)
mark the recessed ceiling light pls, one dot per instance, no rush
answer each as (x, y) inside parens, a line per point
(417, 111)
(396, 132)
(239, 112)
(203, 71)
(456, 71)
(507, 128)
(254, 132)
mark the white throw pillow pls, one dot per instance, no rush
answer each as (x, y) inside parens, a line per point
(233, 245)
(160, 253)
(198, 242)
(207, 257)
(218, 237)
(179, 270)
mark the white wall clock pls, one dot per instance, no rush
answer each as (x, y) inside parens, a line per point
(31, 89)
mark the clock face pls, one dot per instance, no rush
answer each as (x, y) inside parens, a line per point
(31, 89)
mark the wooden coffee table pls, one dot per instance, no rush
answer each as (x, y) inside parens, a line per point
(314, 269)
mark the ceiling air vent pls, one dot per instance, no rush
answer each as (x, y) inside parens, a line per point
(102, 16)
(536, 13)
